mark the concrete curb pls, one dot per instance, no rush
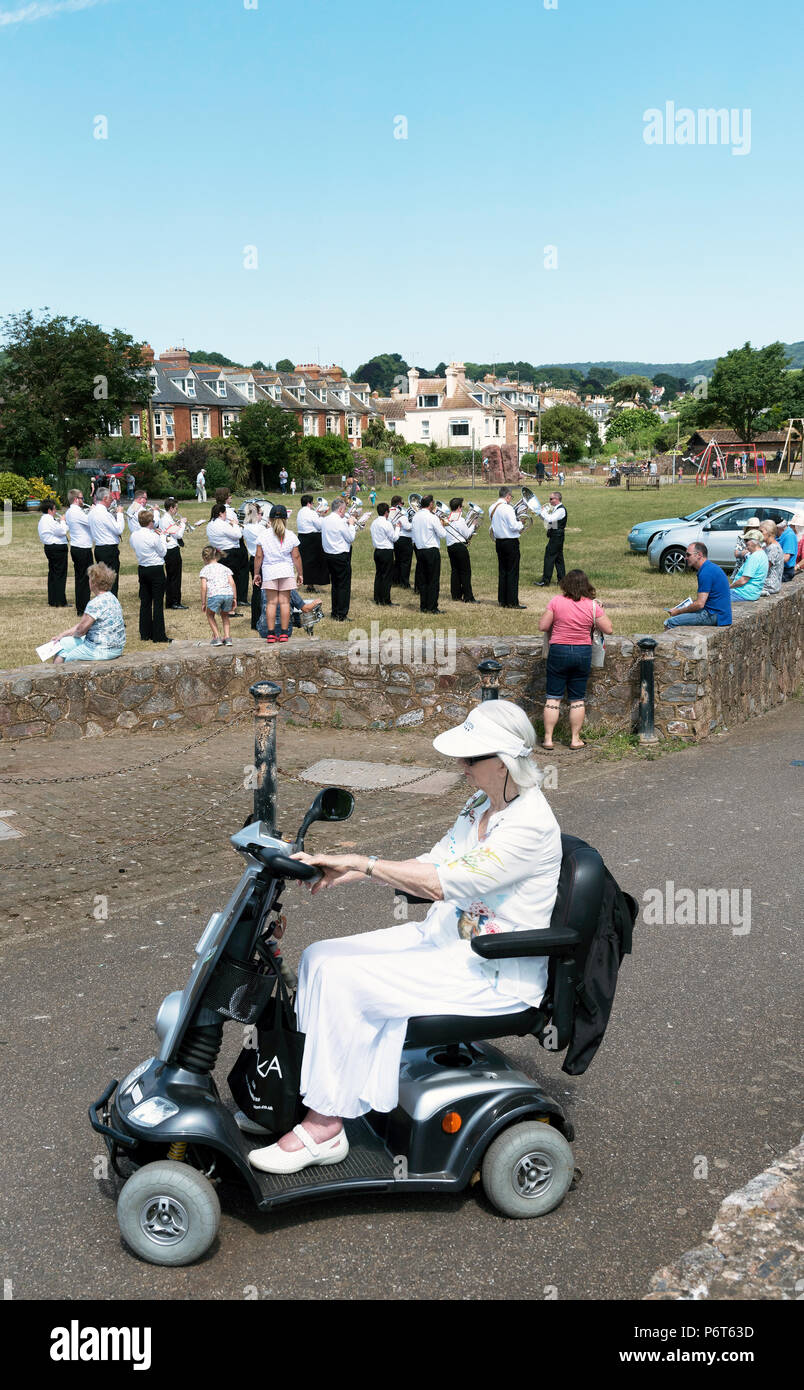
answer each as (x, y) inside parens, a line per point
(755, 1249)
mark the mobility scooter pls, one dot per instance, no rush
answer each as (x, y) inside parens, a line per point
(463, 1107)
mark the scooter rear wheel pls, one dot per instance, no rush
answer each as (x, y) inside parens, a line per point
(168, 1213)
(527, 1170)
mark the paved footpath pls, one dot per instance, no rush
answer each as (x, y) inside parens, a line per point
(109, 880)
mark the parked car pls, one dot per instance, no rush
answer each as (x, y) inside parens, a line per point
(719, 532)
(641, 535)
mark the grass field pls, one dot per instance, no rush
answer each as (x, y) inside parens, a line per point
(598, 522)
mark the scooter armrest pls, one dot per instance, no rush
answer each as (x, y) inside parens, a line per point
(555, 941)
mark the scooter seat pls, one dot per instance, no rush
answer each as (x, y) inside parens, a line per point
(458, 1028)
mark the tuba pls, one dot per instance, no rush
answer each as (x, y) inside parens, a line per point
(528, 508)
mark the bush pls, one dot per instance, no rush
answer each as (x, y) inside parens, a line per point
(15, 490)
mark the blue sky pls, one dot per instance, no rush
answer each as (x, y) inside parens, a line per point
(273, 127)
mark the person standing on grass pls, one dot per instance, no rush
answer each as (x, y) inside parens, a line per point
(218, 594)
(150, 548)
(53, 535)
(570, 618)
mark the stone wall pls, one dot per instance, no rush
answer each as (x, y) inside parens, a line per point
(706, 679)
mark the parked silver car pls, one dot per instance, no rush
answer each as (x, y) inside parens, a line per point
(719, 533)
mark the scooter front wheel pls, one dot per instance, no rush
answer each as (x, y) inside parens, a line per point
(168, 1213)
(527, 1170)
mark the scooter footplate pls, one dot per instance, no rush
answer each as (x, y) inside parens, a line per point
(367, 1162)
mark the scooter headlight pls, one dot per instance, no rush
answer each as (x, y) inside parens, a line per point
(153, 1111)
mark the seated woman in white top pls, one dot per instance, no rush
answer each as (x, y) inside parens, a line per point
(495, 870)
(276, 559)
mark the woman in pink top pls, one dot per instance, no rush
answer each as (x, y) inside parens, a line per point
(569, 618)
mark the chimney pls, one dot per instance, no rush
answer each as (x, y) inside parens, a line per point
(147, 353)
(175, 357)
(413, 382)
(456, 377)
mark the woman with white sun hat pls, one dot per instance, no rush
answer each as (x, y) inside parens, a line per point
(495, 870)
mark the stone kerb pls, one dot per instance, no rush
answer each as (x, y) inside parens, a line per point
(706, 679)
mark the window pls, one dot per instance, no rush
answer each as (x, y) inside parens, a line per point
(157, 424)
(425, 429)
(428, 402)
(134, 425)
(169, 423)
(459, 427)
(116, 429)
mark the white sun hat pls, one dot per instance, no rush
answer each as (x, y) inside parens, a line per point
(479, 736)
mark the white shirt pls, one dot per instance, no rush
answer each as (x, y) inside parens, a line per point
(427, 530)
(505, 524)
(458, 531)
(382, 534)
(51, 531)
(337, 535)
(223, 534)
(106, 527)
(551, 521)
(149, 547)
(277, 556)
(172, 529)
(80, 530)
(504, 883)
(308, 520)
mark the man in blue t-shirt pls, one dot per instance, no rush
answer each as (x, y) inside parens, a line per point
(788, 540)
(712, 607)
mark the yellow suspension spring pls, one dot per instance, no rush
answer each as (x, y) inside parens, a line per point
(177, 1151)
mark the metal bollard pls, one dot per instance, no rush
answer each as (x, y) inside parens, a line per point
(490, 679)
(265, 694)
(647, 647)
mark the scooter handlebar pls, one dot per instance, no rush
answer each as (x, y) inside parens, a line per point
(284, 867)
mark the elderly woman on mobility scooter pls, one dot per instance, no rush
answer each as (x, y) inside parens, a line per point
(495, 870)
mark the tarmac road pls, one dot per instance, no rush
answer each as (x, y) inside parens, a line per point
(696, 1088)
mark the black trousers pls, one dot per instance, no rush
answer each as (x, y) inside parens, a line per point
(403, 559)
(383, 571)
(56, 556)
(239, 566)
(82, 559)
(428, 570)
(152, 603)
(173, 567)
(460, 583)
(508, 573)
(109, 555)
(340, 577)
(554, 555)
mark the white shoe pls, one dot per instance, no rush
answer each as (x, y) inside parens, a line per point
(276, 1160)
(249, 1126)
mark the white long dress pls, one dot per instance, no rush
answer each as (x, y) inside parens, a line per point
(356, 994)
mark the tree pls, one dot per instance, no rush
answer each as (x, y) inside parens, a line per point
(64, 381)
(636, 428)
(626, 388)
(571, 428)
(269, 437)
(285, 365)
(747, 381)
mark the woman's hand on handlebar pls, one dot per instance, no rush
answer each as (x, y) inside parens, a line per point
(335, 868)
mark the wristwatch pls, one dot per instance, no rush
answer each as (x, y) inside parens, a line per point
(372, 860)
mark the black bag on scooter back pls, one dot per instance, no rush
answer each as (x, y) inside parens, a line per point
(266, 1077)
